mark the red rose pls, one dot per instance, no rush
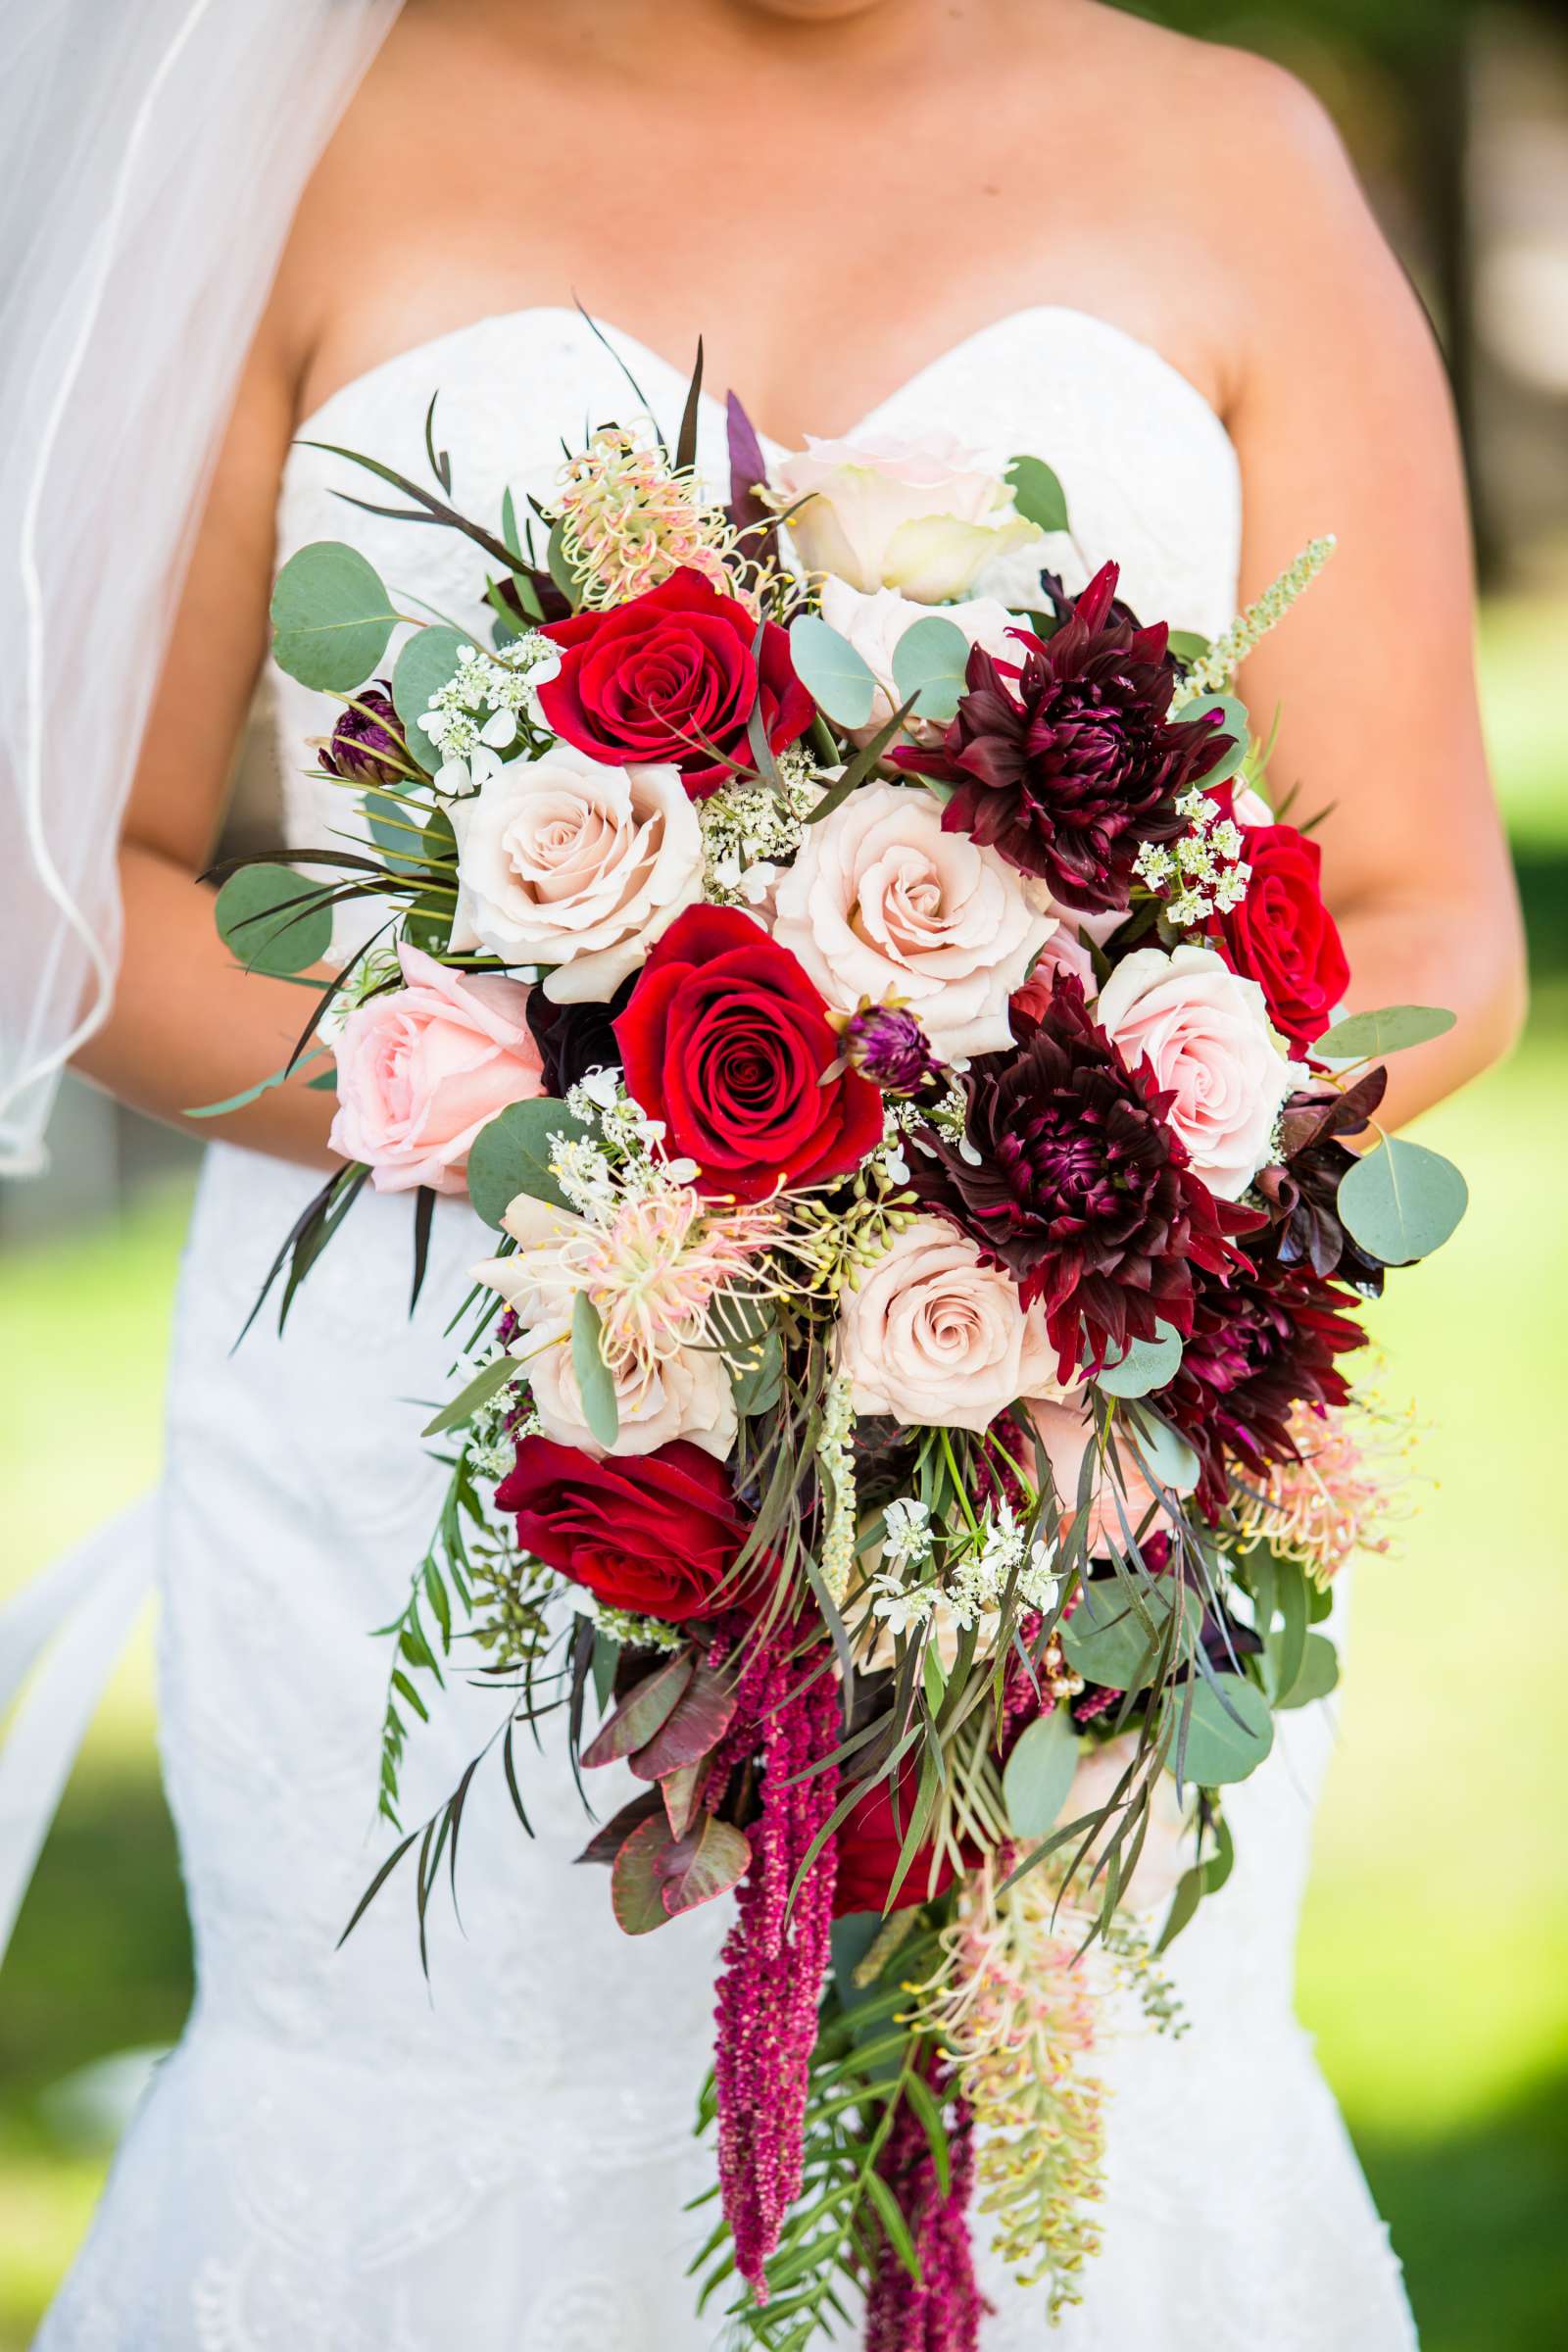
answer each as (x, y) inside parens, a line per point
(869, 1843)
(654, 1533)
(1284, 937)
(727, 1040)
(675, 675)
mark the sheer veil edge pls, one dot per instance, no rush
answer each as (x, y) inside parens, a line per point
(156, 157)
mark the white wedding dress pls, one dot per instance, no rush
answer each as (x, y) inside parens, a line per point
(339, 2159)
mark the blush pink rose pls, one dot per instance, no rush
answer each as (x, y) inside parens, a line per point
(1062, 1426)
(422, 1068)
(1205, 1034)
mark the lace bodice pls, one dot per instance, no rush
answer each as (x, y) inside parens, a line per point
(341, 2160)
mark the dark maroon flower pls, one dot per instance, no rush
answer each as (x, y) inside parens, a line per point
(574, 1039)
(1079, 1188)
(1261, 1342)
(367, 745)
(1300, 1195)
(1068, 760)
(889, 1047)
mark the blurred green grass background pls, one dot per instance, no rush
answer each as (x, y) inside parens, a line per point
(1435, 1958)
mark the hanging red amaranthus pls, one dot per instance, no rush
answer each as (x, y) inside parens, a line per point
(940, 2311)
(777, 1956)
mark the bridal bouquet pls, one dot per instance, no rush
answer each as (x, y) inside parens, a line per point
(865, 990)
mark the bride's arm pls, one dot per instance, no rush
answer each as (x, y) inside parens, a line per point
(188, 1026)
(1344, 423)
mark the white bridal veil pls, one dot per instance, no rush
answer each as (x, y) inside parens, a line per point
(154, 153)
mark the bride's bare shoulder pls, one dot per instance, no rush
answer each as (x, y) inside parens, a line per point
(1227, 159)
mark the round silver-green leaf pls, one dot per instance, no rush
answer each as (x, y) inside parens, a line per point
(929, 666)
(427, 664)
(1148, 1365)
(1040, 1773)
(513, 1155)
(1229, 1732)
(831, 671)
(1391, 1030)
(1118, 1646)
(272, 919)
(1401, 1201)
(331, 617)
(1237, 725)
(1038, 494)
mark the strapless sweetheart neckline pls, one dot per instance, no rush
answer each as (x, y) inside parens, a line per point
(633, 351)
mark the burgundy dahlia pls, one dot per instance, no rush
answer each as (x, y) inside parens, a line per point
(1068, 761)
(1262, 1342)
(576, 1038)
(1074, 1182)
(367, 745)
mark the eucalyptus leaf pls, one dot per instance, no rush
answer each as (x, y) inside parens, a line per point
(331, 616)
(272, 919)
(479, 1390)
(1401, 1201)
(930, 662)
(1317, 1676)
(1117, 1647)
(1367, 1036)
(1166, 1457)
(1229, 1732)
(594, 1385)
(1148, 1365)
(1038, 494)
(1237, 726)
(427, 664)
(1188, 646)
(831, 670)
(1040, 1773)
(512, 1156)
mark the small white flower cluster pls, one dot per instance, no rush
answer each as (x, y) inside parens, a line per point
(904, 1119)
(597, 1176)
(619, 1625)
(750, 830)
(974, 1585)
(493, 1433)
(474, 717)
(1202, 873)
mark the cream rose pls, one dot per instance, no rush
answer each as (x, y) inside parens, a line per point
(567, 862)
(924, 516)
(687, 1394)
(421, 1068)
(881, 903)
(1205, 1032)
(874, 625)
(935, 1337)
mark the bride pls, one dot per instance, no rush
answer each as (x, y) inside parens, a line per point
(1041, 224)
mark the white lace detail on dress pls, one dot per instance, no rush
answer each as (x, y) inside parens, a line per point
(339, 2160)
